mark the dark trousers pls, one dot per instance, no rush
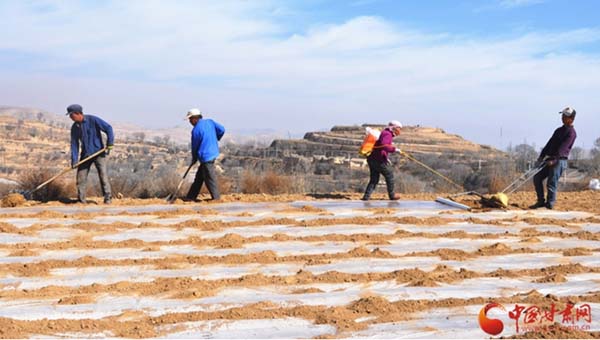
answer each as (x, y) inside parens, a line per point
(82, 174)
(377, 168)
(206, 174)
(553, 174)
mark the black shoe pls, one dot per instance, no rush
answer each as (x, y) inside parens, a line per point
(364, 198)
(549, 206)
(539, 204)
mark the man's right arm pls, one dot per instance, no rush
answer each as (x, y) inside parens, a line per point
(548, 145)
(196, 138)
(74, 145)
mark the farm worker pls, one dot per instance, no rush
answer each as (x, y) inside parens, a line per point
(206, 135)
(379, 163)
(555, 155)
(86, 135)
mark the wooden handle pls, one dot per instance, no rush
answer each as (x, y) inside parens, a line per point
(68, 169)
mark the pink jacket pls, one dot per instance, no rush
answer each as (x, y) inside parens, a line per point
(383, 146)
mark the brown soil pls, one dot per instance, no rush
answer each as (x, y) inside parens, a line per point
(136, 324)
(12, 200)
(567, 201)
(303, 209)
(423, 283)
(76, 300)
(577, 252)
(552, 278)
(557, 331)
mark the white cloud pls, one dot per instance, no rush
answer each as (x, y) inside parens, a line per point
(237, 59)
(518, 3)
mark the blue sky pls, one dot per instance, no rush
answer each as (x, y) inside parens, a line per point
(471, 67)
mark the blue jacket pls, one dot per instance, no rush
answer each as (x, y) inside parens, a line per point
(205, 137)
(87, 133)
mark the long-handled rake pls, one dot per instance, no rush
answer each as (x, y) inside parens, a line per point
(171, 198)
(27, 194)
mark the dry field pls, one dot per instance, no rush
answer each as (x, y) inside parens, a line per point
(296, 267)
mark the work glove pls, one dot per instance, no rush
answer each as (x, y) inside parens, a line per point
(108, 149)
(398, 151)
(550, 162)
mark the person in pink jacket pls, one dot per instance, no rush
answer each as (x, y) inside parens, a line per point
(379, 163)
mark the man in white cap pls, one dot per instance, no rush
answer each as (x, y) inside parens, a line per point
(379, 163)
(555, 155)
(206, 135)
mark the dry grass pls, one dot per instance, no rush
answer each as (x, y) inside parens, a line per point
(269, 183)
(55, 190)
(6, 188)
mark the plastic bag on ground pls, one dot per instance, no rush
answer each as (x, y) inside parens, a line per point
(595, 184)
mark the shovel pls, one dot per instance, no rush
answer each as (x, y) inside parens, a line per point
(27, 194)
(173, 196)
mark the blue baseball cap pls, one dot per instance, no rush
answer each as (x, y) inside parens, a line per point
(74, 108)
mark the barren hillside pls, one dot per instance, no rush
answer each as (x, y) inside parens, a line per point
(35, 140)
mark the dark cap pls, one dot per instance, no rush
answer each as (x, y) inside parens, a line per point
(74, 108)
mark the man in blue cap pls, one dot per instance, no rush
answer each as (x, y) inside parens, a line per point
(86, 134)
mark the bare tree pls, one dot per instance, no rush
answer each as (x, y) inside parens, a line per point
(577, 153)
(524, 155)
(139, 137)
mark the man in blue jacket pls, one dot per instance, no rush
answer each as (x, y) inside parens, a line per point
(206, 135)
(85, 134)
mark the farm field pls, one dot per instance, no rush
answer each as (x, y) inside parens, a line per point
(299, 269)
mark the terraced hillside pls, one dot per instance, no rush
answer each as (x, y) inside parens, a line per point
(33, 139)
(329, 161)
(345, 140)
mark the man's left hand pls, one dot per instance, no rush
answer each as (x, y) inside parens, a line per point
(108, 150)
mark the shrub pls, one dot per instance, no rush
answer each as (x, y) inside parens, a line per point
(269, 183)
(275, 184)
(55, 190)
(408, 184)
(250, 183)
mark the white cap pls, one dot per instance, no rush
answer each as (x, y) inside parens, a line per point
(193, 113)
(395, 123)
(568, 111)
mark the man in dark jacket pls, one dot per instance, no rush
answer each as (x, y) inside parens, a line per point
(86, 134)
(378, 161)
(206, 135)
(555, 155)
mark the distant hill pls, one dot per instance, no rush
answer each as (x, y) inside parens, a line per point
(345, 141)
(321, 161)
(32, 138)
(175, 134)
